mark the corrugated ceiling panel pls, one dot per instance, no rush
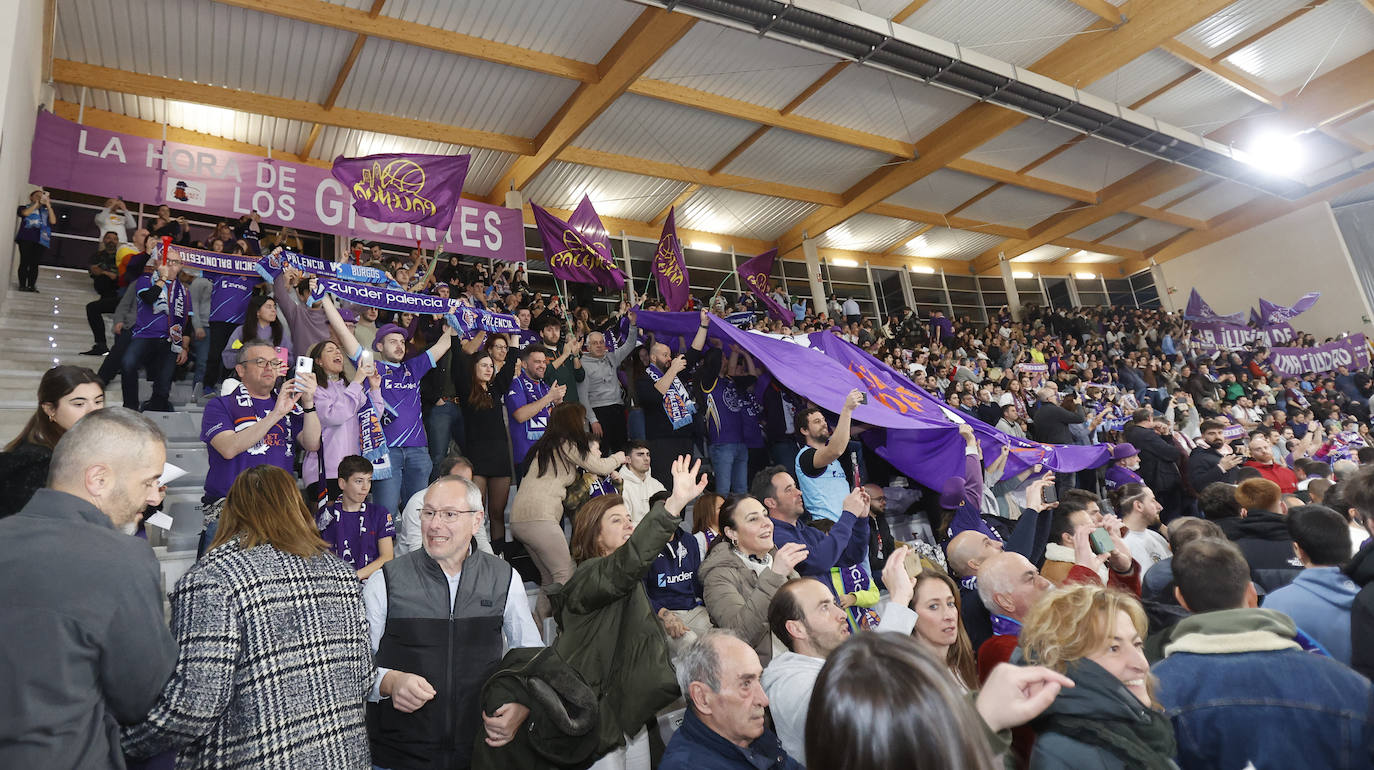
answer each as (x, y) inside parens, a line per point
(1140, 78)
(1362, 127)
(1180, 191)
(730, 63)
(397, 79)
(1216, 200)
(1015, 31)
(1144, 235)
(1201, 104)
(1234, 22)
(1094, 258)
(1098, 229)
(648, 128)
(485, 169)
(205, 42)
(1308, 47)
(1043, 254)
(584, 30)
(944, 243)
(1017, 148)
(731, 212)
(884, 8)
(1091, 164)
(867, 232)
(782, 156)
(1359, 195)
(866, 99)
(1015, 207)
(615, 194)
(941, 191)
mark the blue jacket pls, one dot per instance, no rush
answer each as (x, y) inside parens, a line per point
(1239, 690)
(697, 747)
(1319, 602)
(674, 579)
(846, 543)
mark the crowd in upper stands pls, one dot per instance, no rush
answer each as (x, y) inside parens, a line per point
(715, 588)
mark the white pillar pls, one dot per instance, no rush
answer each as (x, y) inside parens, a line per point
(515, 200)
(813, 274)
(1009, 283)
(907, 294)
(1166, 300)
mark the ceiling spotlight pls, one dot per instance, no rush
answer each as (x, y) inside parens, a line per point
(706, 246)
(844, 262)
(1022, 274)
(1085, 276)
(1277, 153)
(923, 269)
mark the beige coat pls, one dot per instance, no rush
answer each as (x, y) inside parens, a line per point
(540, 497)
(737, 598)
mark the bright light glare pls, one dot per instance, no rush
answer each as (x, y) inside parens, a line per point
(918, 243)
(705, 246)
(844, 262)
(923, 269)
(1085, 276)
(1022, 274)
(1277, 154)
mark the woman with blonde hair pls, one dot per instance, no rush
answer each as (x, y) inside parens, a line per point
(275, 664)
(1109, 718)
(940, 628)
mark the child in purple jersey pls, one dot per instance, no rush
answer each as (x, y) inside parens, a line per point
(360, 532)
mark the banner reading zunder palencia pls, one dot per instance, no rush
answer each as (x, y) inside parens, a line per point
(190, 177)
(909, 427)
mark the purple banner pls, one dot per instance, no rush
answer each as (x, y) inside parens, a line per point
(1270, 313)
(1219, 336)
(571, 256)
(755, 274)
(1199, 310)
(1035, 368)
(1351, 352)
(420, 189)
(670, 268)
(190, 177)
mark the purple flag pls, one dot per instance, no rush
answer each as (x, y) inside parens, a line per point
(1199, 310)
(419, 189)
(755, 275)
(670, 269)
(569, 252)
(1270, 313)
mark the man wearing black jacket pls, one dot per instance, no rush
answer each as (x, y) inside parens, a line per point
(1159, 459)
(1359, 495)
(1207, 465)
(664, 393)
(1261, 531)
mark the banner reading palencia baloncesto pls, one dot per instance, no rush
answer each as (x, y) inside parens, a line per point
(189, 177)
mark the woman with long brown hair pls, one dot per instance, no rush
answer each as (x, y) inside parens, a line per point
(65, 395)
(250, 690)
(940, 628)
(556, 460)
(481, 383)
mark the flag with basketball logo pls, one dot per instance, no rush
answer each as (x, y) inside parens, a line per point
(404, 187)
(754, 274)
(669, 268)
(577, 250)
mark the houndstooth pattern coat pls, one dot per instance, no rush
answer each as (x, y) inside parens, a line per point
(274, 666)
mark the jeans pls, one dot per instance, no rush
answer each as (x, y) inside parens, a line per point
(95, 311)
(634, 424)
(731, 465)
(114, 362)
(220, 332)
(30, 254)
(157, 355)
(200, 354)
(410, 467)
(443, 424)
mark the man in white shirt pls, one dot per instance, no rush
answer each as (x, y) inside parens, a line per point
(639, 483)
(115, 218)
(851, 310)
(804, 615)
(1138, 509)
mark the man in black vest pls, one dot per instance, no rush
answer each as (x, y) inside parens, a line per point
(441, 618)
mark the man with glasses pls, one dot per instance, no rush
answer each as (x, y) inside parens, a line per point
(258, 422)
(164, 315)
(440, 619)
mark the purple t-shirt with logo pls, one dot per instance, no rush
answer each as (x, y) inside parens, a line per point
(151, 321)
(239, 411)
(524, 391)
(1117, 476)
(229, 296)
(355, 533)
(401, 390)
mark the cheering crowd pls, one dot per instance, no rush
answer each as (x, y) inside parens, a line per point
(729, 576)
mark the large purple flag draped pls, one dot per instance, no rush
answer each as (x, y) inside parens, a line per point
(419, 189)
(1350, 352)
(670, 268)
(1270, 313)
(1199, 310)
(755, 273)
(578, 254)
(912, 430)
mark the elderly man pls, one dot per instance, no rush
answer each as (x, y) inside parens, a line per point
(410, 534)
(667, 403)
(1009, 586)
(725, 726)
(440, 619)
(255, 423)
(967, 552)
(600, 389)
(85, 646)
(1262, 460)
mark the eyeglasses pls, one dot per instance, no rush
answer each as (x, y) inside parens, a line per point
(447, 517)
(261, 363)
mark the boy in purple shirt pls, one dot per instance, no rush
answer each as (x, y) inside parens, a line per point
(361, 533)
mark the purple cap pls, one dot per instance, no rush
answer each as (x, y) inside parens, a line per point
(384, 331)
(952, 492)
(348, 316)
(1122, 451)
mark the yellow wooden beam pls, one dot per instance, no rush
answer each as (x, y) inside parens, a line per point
(649, 37)
(387, 28)
(1229, 75)
(340, 79)
(909, 11)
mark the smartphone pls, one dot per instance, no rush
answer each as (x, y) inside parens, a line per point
(1102, 540)
(365, 359)
(284, 356)
(913, 564)
(1049, 494)
(304, 364)
(863, 398)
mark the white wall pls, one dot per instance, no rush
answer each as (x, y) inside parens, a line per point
(21, 89)
(1280, 261)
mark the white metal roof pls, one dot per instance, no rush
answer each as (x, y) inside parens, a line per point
(1015, 207)
(1017, 148)
(1218, 199)
(944, 243)
(782, 156)
(941, 191)
(584, 30)
(1016, 31)
(1312, 45)
(867, 232)
(1098, 229)
(1144, 234)
(880, 103)
(613, 193)
(733, 64)
(742, 214)
(648, 128)
(1202, 104)
(1234, 22)
(1091, 165)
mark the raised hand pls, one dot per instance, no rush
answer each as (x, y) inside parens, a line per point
(901, 587)
(788, 557)
(688, 483)
(1014, 695)
(856, 502)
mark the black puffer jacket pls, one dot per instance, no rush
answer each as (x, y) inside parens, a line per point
(1263, 537)
(1361, 570)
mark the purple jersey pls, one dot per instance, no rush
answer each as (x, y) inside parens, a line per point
(229, 296)
(239, 411)
(1118, 475)
(151, 322)
(401, 391)
(523, 434)
(355, 534)
(726, 411)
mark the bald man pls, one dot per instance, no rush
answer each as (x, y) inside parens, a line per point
(664, 395)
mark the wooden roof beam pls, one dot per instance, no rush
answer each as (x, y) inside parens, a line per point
(1229, 75)
(340, 79)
